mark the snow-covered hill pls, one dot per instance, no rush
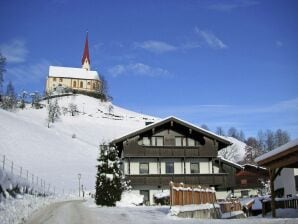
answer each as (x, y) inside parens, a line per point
(238, 147)
(70, 146)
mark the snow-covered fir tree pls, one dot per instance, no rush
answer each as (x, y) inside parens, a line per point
(53, 112)
(110, 182)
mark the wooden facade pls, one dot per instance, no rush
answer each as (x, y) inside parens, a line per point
(174, 150)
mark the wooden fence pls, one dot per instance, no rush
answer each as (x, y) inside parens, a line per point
(182, 194)
(230, 206)
(279, 203)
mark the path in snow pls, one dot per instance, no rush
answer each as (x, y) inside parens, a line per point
(86, 212)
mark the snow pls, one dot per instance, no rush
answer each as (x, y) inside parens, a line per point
(175, 210)
(162, 215)
(278, 150)
(68, 72)
(230, 161)
(129, 199)
(162, 194)
(18, 210)
(52, 153)
(238, 145)
(228, 215)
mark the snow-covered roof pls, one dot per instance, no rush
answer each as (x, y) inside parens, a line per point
(278, 150)
(76, 73)
(230, 162)
(178, 120)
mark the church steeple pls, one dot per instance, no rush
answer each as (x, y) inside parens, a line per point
(86, 58)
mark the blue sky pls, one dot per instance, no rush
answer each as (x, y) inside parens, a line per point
(221, 63)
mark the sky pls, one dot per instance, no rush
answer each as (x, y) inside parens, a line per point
(219, 63)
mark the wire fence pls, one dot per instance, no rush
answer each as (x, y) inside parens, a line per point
(23, 176)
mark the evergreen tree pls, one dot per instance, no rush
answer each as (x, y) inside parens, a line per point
(53, 112)
(9, 101)
(110, 181)
(2, 70)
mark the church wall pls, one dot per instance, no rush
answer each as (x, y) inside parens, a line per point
(69, 82)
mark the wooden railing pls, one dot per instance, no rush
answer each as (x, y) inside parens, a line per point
(279, 203)
(182, 194)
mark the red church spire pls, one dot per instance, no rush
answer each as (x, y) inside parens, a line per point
(86, 53)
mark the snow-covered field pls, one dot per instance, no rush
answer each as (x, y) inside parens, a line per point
(70, 146)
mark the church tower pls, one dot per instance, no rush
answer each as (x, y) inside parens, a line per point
(86, 58)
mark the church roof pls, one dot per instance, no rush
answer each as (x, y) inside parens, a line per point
(86, 51)
(76, 73)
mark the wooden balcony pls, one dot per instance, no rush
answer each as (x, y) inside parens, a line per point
(169, 151)
(163, 180)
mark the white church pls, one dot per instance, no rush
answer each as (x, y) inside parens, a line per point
(77, 79)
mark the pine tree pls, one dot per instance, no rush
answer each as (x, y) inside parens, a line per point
(110, 181)
(9, 101)
(53, 112)
(2, 70)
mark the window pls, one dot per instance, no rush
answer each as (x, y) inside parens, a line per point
(190, 142)
(157, 141)
(180, 141)
(54, 79)
(81, 84)
(60, 80)
(144, 168)
(194, 168)
(74, 84)
(243, 181)
(94, 86)
(169, 167)
(88, 83)
(146, 141)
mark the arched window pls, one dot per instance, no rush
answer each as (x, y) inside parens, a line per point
(81, 84)
(74, 84)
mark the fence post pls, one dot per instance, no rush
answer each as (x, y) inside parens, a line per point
(192, 195)
(4, 162)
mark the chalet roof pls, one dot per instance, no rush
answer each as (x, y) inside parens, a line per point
(285, 156)
(69, 72)
(229, 162)
(224, 142)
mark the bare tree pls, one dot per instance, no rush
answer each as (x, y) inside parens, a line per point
(73, 109)
(231, 153)
(220, 131)
(269, 141)
(281, 137)
(251, 150)
(204, 126)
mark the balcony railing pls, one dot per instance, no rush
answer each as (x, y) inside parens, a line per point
(169, 151)
(163, 180)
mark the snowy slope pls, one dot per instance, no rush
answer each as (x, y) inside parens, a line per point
(237, 145)
(52, 153)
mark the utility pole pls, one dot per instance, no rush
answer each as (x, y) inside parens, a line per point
(79, 177)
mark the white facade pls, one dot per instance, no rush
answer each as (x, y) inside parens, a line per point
(72, 78)
(286, 180)
(132, 167)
